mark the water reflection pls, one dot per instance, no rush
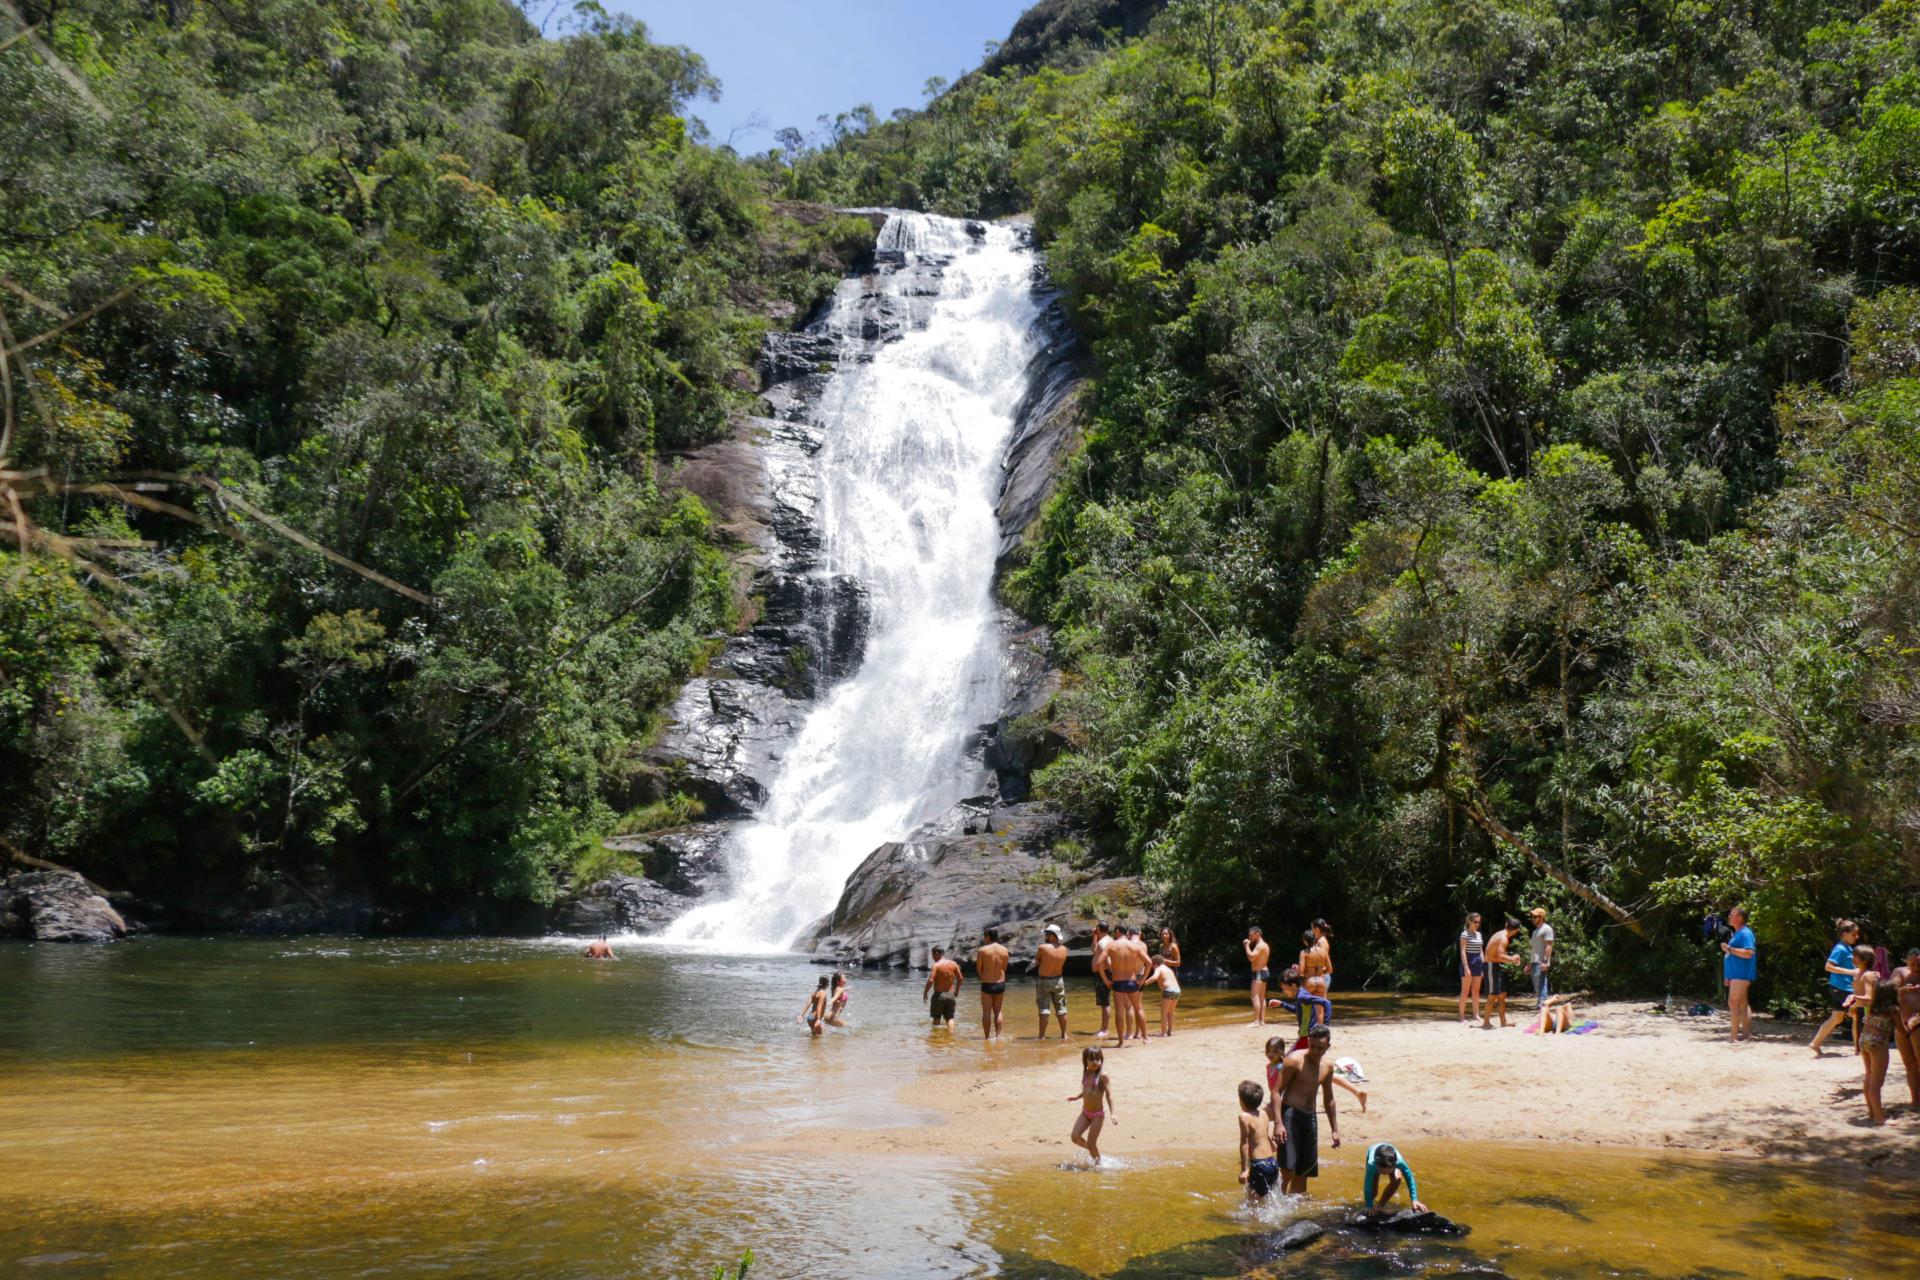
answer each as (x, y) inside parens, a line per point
(330, 1109)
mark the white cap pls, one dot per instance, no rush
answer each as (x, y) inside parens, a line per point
(1053, 929)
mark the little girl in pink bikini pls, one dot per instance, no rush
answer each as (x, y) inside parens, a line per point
(1095, 1099)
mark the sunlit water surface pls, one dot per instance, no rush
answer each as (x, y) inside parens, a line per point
(327, 1108)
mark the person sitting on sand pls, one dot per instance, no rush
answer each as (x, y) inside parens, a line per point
(1306, 1080)
(1095, 1099)
(1050, 984)
(599, 950)
(1500, 957)
(990, 966)
(1259, 1157)
(1556, 1016)
(1168, 981)
(837, 1004)
(815, 1012)
(942, 989)
(1882, 1004)
(1384, 1160)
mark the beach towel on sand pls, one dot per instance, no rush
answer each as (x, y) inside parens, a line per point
(1582, 1029)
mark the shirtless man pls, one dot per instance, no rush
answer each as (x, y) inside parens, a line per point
(1500, 958)
(599, 950)
(1906, 1020)
(990, 966)
(1050, 984)
(1305, 1074)
(1131, 964)
(943, 984)
(1102, 972)
(1258, 954)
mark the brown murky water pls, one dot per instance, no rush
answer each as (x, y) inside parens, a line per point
(333, 1109)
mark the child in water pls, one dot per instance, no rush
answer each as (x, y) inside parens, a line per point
(1259, 1158)
(837, 1006)
(1384, 1157)
(1313, 1011)
(1095, 1099)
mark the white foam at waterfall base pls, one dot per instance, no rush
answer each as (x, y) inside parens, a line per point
(907, 476)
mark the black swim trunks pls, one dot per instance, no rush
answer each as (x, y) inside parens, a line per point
(942, 1006)
(1126, 986)
(1102, 994)
(1259, 975)
(1261, 1175)
(993, 988)
(1838, 997)
(1303, 1141)
(1497, 980)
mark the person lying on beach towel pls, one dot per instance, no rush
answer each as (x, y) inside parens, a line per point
(1556, 1016)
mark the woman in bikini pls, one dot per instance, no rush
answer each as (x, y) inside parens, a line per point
(1879, 1000)
(1473, 964)
(815, 1012)
(1323, 943)
(837, 1004)
(1170, 948)
(1095, 1099)
(1314, 967)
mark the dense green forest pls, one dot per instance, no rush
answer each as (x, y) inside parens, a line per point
(1502, 483)
(345, 337)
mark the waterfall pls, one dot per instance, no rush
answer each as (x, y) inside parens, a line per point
(913, 424)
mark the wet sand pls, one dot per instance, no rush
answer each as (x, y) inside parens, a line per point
(1641, 1080)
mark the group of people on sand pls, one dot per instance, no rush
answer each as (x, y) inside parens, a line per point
(1486, 966)
(1314, 966)
(1881, 1002)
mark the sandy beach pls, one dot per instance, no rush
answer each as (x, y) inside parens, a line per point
(1641, 1080)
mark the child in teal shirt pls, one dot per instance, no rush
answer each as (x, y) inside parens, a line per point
(1384, 1157)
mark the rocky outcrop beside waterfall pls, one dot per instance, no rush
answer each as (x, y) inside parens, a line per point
(1017, 868)
(56, 906)
(1048, 428)
(618, 904)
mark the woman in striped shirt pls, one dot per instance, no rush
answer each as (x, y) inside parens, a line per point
(1473, 964)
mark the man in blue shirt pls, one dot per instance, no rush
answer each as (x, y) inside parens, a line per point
(1741, 964)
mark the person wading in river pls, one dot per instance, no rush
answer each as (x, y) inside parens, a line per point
(599, 950)
(1102, 972)
(990, 966)
(942, 989)
(1050, 984)
(1305, 1080)
(815, 1012)
(1258, 955)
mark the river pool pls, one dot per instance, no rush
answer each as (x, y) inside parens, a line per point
(345, 1108)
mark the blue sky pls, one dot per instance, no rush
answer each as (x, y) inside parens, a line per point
(789, 61)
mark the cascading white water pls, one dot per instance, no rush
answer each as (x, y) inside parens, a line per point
(907, 472)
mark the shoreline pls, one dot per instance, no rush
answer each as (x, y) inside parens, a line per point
(1641, 1082)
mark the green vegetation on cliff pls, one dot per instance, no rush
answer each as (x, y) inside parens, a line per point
(1504, 478)
(434, 292)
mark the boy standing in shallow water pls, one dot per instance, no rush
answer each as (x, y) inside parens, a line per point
(1259, 1159)
(1095, 1099)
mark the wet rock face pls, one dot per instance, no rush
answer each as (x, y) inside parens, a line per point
(978, 865)
(56, 906)
(619, 904)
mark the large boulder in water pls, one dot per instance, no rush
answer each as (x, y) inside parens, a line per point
(56, 906)
(1015, 867)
